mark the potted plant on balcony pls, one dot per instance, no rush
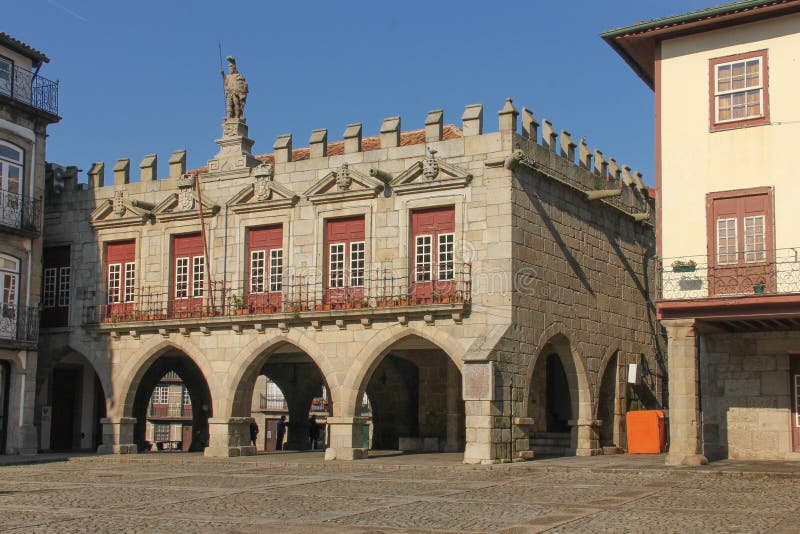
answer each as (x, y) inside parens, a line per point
(237, 304)
(680, 266)
(759, 283)
(403, 300)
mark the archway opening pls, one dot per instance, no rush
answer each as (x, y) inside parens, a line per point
(290, 401)
(5, 386)
(172, 405)
(414, 399)
(611, 406)
(76, 404)
(553, 400)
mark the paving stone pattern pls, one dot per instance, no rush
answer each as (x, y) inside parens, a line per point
(241, 495)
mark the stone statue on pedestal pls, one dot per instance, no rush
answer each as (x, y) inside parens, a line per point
(235, 91)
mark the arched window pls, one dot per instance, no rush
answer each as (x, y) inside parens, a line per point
(11, 166)
(9, 284)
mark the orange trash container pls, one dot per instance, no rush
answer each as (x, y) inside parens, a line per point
(647, 431)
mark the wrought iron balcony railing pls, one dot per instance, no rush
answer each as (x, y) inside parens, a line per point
(19, 323)
(31, 89)
(273, 403)
(170, 410)
(743, 273)
(294, 294)
(20, 212)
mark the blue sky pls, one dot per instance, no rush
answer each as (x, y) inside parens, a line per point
(142, 77)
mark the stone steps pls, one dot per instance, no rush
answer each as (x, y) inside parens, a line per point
(551, 443)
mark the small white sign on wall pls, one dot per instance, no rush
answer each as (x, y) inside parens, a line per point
(634, 373)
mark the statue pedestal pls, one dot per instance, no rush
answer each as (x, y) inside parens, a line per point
(235, 157)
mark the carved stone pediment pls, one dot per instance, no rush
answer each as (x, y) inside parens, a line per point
(172, 208)
(120, 212)
(263, 194)
(344, 183)
(430, 174)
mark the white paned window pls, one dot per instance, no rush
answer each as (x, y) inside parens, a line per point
(754, 249)
(160, 395)
(336, 265)
(49, 287)
(739, 90)
(257, 271)
(6, 76)
(64, 279)
(187, 399)
(198, 274)
(726, 241)
(130, 281)
(423, 258)
(114, 282)
(181, 278)
(357, 264)
(446, 256)
(276, 270)
(160, 432)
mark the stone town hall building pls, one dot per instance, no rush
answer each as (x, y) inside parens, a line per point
(484, 289)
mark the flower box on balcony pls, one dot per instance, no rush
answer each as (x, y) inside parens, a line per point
(759, 289)
(680, 266)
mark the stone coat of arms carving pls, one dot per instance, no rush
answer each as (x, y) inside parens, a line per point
(262, 187)
(343, 178)
(186, 192)
(430, 167)
(119, 204)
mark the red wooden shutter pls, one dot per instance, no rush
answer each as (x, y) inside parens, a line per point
(345, 250)
(120, 280)
(265, 263)
(188, 275)
(432, 253)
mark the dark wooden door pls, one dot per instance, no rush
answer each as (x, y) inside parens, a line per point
(56, 278)
(345, 263)
(264, 284)
(794, 374)
(188, 276)
(186, 437)
(66, 392)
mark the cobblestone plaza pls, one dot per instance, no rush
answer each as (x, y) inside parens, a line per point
(301, 493)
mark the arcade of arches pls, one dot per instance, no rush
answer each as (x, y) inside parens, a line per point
(414, 388)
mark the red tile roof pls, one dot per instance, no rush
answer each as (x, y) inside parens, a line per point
(411, 137)
(22, 48)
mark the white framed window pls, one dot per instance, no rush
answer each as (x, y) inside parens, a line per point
(161, 395)
(182, 278)
(130, 281)
(198, 275)
(739, 90)
(6, 76)
(276, 270)
(64, 279)
(160, 432)
(446, 256)
(357, 263)
(187, 399)
(726, 241)
(11, 164)
(754, 239)
(257, 270)
(114, 282)
(423, 258)
(336, 265)
(49, 284)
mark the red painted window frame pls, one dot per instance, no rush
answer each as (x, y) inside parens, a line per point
(120, 253)
(346, 231)
(267, 239)
(187, 246)
(436, 222)
(715, 126)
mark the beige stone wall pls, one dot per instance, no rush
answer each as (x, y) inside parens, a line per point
(745, 395)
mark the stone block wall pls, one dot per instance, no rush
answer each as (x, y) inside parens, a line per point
(746, 396)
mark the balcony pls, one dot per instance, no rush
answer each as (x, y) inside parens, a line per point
(277, 403)
(31, 89)
(749, 291)
(304, 296)
(20, 214)
(19, 324)
(170, 411)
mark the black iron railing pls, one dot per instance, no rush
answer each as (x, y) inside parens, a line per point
(731, 274)
(19, 323)
(293, 293)
(19, 211)
(170, 410)
(32, 89)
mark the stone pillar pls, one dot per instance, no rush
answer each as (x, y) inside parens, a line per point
(318, 143)
(530, 126)
(453, 422)
(684, 400)
(472, 120)
(229, 436)
(149, 168)
(122, 171)
(434, 126)
(352, 138)
(97, 174)
(390, 132)
(586, 435)
(24, 387)
(479, 386)
(283, 148)
(177, 164)
(346, 438)
(118, 436)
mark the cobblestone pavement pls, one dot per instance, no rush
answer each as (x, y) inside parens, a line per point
(183, 492)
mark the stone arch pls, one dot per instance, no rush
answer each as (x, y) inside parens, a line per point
(369, 357)
(131, 375)
(102, 372)
(610, 353)
(251, 359)
(610, 395)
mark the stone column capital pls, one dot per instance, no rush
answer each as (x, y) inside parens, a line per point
(680, 328)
